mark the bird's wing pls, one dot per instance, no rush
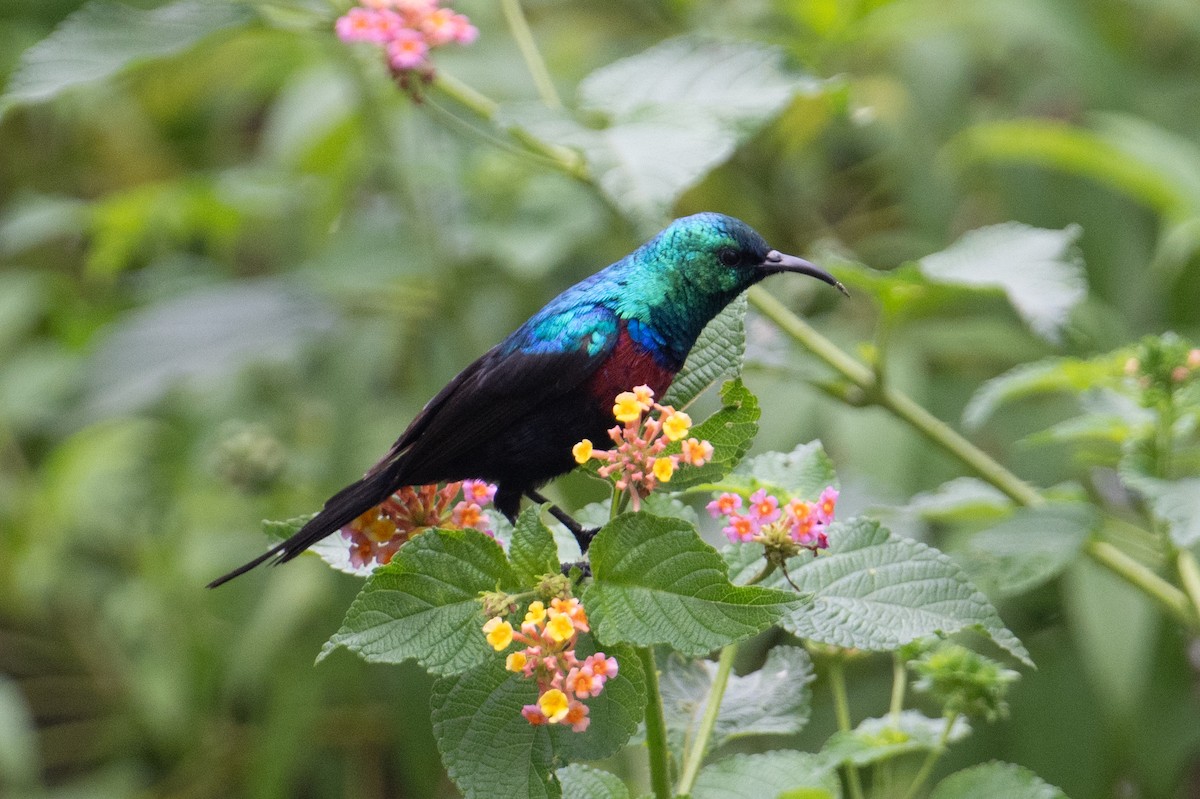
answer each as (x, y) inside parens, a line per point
(542, 361)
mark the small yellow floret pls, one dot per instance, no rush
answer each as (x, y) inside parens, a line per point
(663, 469)
(554, 704)
(515, 661)
(499, 633)
(536, 612)
(560, 627)
(644, 396)
(627, 408)
(582, 451)
(676, 425)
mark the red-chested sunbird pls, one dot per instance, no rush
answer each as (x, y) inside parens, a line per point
(512, 416)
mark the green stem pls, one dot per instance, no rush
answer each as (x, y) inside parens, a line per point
(841, 709)
(931, 759)
(899, 684)
(519, 26)
(945, 437)
(1189, 575)
(712, 708)
(656, 728)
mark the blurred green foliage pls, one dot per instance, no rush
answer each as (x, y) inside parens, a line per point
(235, 260)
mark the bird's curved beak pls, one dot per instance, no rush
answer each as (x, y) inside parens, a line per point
(776, 262)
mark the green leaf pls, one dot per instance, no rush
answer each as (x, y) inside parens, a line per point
(775, 700)
(875, 591)
(103, 38)
(995, 781)
(1027, 549)
(533, 552)
(424, 605)
(804, 472)
(584, 782)
(671, 114)
(490, 750)
(960, 499)
(19, 756)
(875, 740)
(715, 357)
(656, 582)
(1177, 502)
(1051, 376)
(768, 774)
(333, 549)
(730, 430)
(1037, 269)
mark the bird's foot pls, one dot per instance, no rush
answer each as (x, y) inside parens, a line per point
(583, 535)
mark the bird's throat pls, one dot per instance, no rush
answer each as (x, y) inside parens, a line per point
(629, 364)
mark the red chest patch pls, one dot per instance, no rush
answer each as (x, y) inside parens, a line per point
(628, 365)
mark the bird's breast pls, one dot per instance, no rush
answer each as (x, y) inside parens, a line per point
(629, 364)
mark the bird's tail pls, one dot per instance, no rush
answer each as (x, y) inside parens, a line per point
(342, 508)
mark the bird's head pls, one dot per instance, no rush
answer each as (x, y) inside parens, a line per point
(723, 255)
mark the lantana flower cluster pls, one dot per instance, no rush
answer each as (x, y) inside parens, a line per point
(764, 521)
(637, 460)
(406, 29)
(563, 680)
(376, 535)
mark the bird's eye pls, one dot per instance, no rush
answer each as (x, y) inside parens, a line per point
(729, 257)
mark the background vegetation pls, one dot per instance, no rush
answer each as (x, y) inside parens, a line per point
(235, 259)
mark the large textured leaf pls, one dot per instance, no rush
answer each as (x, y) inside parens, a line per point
(875, 591)
(672, 114)
(995, 781)
(656, 582)
(1027, 549)
(768, 774)
(424, 605)
(533, 551)
(715, 358)
(1037, 269)
(874, 740)
(490, 750)
(102, 38)
(730, 430)
(584, 782)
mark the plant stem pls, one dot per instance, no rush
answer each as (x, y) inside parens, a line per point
(656, 728)
(712, 708)
(1189, 575)
(899, 684)
(841, 709)
(519, 26)
(945, 437)
(931, 758)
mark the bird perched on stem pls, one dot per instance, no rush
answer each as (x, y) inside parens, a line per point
(512, 416)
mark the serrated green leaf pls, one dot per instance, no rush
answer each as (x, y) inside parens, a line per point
(672, 114)
(656, 582)
(730, 430)
(1037, 269)
(995, 781)
(1177, 502)
(775, 700)
(875, 591)
(715, 357)
(1027, 549)
(424, 605)
(767, 774)
(490, 750)
(804, 472)
(875, 740)
(533, 551)
(103, 38)
(1050, 376)
(584, 782)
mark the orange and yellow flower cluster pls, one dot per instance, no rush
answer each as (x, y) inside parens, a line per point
(563, 680)
(637, 460)
(376, 535)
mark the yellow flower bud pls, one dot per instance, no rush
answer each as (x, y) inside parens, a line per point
(582, 451)
(627, 408)
(499, 633)
(663, 469)
(676, 425)
(554, 704)
(560, 627)
(515, 661)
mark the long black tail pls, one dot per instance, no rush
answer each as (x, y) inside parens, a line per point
(340, 509)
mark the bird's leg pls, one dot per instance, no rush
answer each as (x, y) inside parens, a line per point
(583, 535)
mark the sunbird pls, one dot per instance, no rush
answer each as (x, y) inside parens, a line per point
(512, 416)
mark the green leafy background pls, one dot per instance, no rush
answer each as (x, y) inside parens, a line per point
(235, 261)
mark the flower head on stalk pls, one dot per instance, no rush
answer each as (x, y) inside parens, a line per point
(786, 530)
(406, 30)
(638, 461)
(563, 679)
(376, 535)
